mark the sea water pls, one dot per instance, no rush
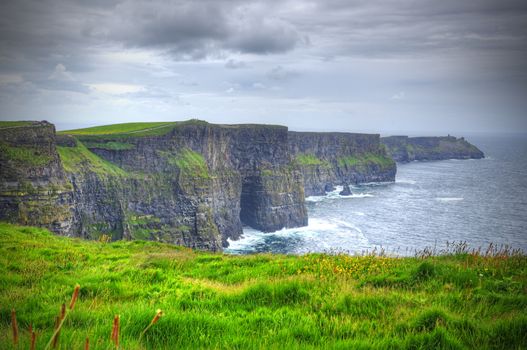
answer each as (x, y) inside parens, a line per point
(429, 204)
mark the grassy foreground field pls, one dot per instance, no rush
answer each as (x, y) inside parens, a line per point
(262, 301)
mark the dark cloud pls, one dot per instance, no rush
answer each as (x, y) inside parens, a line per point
(409, 28)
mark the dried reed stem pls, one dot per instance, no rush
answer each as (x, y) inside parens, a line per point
(14, 326)
(62, 317)
(62, 311)
(33, 341)
(75, 296)
(115, 331)
(56, 334)
(156, 318)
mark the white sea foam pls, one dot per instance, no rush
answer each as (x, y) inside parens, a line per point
(408, 182)
(449, 199)
(320, 235)
(335, 195)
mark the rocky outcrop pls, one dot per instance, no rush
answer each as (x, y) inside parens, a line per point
(346, 191)
(33, 186)
(190, 183)
(329, 159)
(407, 149)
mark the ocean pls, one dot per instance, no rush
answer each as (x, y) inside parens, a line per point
(429, 204)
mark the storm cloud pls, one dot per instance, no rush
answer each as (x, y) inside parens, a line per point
(385, 66)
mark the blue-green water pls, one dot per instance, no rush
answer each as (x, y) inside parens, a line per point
(430, 203)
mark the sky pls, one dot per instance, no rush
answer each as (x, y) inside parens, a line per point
(420, 67)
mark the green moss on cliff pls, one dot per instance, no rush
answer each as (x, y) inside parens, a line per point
(23, 155)
(79, 157)
(189, 162)
(309, 159)
(366, 160)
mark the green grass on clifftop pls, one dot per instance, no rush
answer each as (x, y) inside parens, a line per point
(124, 128)
(215, 301)
(127, 130)
(12, 124)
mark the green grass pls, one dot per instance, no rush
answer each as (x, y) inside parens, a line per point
(111, 145)
(25, 156)
(309, 159)
(79, 157)
(10, 124)
(218, 301)
(367, 160)
(126, 130)
(112, 129)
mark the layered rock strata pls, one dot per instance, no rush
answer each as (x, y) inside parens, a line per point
(407, 149)
(189, 183)
(329, 159)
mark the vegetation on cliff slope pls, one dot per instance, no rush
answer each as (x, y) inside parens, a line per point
(24, 155)
(462, 301)
(310, 159)
(367, 160)
(79, 157)
(190, 163)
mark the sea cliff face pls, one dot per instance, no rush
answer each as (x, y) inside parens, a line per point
(407, 149)
(329, 159)
(189, 183)
(34, 189)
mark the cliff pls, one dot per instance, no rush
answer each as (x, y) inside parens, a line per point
(190, 183)
(329, 159)
(34, 189)
(407, 149)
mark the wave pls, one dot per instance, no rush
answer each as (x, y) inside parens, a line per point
(335, 195)
(449, 199)
(407, 182)
(321, 235)
(373, 184)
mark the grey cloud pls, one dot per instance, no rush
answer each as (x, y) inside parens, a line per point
(168, 24)
(406, 28)
(198, 29)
